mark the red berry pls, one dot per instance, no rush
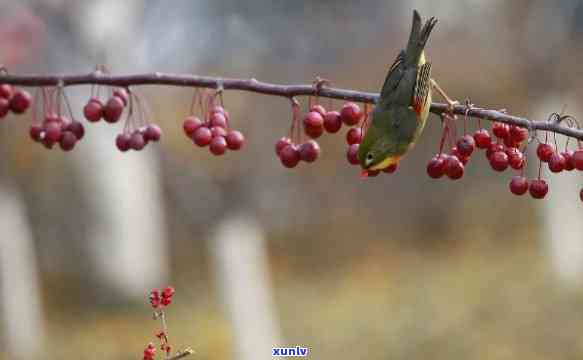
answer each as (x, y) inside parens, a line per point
(453, 168)
(501, 130)
(290, 156)
(455, 152)
(354, 136)
(436, 166)
(350, 114)
(235, 140)
(168, 292)
(352, 154)
(518, 134)
(309, 151)
(93, 110)
(313, 124)
(48, 143)
(391, 168)
(218, 119)
(281, 143)
(113, 109)
(518, 185)
(499, 161)
(332, 122)
(492, 149)
(52, 118)
(466, 145)
(166, 301)
(515, 158)
(202, 136)
(218, 108)
(6, 91)
(53, 132)
(482, 138)
(569, 163)
(578, 159)
(35, 132)
(152, 133)
(137, 141)
(122, 141)
(544, 152)
(557, 162)
(218, 145)
(538, 188)
(190, 125)
(20, 101)
(122, 94)
(76, 128)
(218, 131)
(4, 107)
(68, 140)
(319, 109)
(581, 195)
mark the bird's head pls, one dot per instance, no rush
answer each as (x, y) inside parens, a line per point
(376, 150)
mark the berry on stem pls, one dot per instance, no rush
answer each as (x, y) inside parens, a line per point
(350, 114)
(332, 122)
(309, 151)
(466, 145)
(483, 139)
(218, 145)
(235, 140)
(93, 110)
(518, 185)
(352, 154)
(354, 136)
(122, 141)
(499, 161)
(557, 163)
(436, 166)
(313, 124)
(501, 130)
(202, 136)
(454, 169)
(68, 141)
(290, 156)
(578, 159)
(113, 109)
(538, 188)
(137, 141)
(544, 152)
(190, 125)
(20, 101)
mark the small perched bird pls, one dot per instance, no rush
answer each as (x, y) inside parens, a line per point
(400, 114)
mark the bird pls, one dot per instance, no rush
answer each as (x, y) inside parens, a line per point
(400, 113)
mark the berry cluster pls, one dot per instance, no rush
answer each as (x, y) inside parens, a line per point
(164, 298)
(111, 112)
(507, 150)
(214, 131)
(57, 129)
(12, 99)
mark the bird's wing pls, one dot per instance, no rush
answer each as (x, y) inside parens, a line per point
(394, 75)
(422, 85)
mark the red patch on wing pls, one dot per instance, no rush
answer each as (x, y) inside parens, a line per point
(417, 106)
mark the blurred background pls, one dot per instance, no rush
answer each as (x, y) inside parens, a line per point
(400, 267)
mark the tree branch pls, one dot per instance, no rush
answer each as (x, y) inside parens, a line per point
(288, 91)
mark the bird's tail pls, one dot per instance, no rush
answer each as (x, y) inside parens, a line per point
(418, 38)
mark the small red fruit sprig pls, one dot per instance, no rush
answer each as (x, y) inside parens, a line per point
(13, 100)
(507, 149)
(51, 125)
(209, 124)
(159, 300)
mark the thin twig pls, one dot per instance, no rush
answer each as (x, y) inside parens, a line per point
(288, 91)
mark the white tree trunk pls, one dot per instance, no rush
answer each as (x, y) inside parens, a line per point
(20, 308)
(240, 262)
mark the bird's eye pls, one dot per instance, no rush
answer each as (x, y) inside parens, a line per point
(369, 156)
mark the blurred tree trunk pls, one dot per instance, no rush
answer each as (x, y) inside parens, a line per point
(20, 307)
(240, 261)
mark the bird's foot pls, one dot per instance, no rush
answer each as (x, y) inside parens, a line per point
(450, 103)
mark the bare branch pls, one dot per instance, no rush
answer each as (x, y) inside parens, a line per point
(289, 91)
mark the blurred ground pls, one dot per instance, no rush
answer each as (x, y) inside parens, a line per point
(399, 267)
